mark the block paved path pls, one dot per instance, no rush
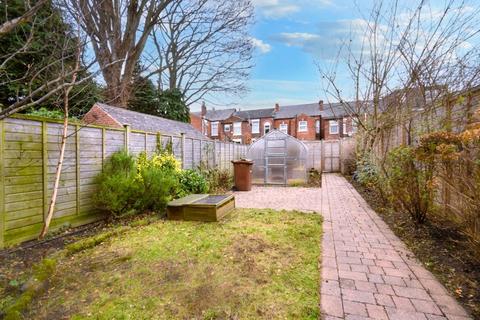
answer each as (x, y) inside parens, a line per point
(367, 272)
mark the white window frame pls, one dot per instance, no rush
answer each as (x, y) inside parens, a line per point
(344, 123)
(302, 126)
(255, 126)
(317, 126)
(265, 126)
(333, 124)
(214, 129)
(227, 125)
(354, 125)
(237, 128)
(283, 128)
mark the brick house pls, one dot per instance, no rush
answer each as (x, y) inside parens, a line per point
(315, 121)
(106, 115)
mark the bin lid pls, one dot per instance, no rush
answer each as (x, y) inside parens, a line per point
(242, 161)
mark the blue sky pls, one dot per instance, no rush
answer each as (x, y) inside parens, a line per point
(291, 37)
(294, 37)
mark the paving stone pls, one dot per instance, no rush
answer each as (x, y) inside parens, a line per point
(331, 305)
(414, 293)
(376, 312)
(356, 308)
(358, 296)
(361, 254)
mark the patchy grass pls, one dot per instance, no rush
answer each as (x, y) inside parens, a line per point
(261, 264)
(439, 246)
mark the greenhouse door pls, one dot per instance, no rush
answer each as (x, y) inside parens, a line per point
(276, 161)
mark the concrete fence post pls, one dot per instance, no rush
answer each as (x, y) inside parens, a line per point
(214, 151)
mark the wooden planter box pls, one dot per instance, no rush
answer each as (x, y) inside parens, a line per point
(201, 207)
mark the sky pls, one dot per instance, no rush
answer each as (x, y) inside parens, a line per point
(291, 37)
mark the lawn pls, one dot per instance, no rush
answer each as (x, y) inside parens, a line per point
(260, 264)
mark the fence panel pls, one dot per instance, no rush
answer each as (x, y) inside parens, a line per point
(29, 151)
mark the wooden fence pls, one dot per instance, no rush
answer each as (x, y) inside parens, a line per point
(330, 155)
(29, 151)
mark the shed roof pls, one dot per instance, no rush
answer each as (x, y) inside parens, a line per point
(151, 123)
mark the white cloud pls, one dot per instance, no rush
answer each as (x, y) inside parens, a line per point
(260, 45)
(297, 38)
(275, 9)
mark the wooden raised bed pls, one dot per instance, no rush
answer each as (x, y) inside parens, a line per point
(200, 207)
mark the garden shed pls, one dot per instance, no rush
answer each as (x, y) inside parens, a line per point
(278, 158)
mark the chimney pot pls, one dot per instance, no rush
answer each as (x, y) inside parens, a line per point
(277, 107)
(320, 104)
(204, 109)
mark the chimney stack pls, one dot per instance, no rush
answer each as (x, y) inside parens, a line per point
(204, 109)
(320, 104)
(277, 107)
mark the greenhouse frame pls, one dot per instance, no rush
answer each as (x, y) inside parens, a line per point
(278, 159)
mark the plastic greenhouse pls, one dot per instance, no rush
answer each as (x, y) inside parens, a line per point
(278, 158)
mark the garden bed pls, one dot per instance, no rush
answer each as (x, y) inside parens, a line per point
(439, 246)
(257, 264)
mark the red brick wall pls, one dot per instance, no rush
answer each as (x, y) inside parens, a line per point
(196, 121)
(310, 134)
(326, 130)
(98, 116)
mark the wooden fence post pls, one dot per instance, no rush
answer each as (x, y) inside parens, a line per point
(127, 136)
(2, 184)
(182, 146)
(77, 165)
(103, 147)
(145, 143)
(45, 168)
(214, 151)
(201, 152)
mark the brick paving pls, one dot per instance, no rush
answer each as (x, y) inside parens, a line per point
(367, 272)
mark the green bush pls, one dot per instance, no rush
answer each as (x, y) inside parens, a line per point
(155, 188)
(219, 180)
(117, 187)
(192, 181)
(127, 186)
(411, 183)
(367, 172)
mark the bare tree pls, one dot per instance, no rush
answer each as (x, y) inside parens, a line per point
(65, 108)
(203, 47)
(404, 65)
(118, 31)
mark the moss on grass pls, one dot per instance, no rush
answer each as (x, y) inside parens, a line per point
(257, 264)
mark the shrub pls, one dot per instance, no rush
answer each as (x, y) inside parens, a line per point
(156, 187)
(117, 187)
(192, 181)
(411, 183)
(127, 186)
(367, 172)
(219, 180)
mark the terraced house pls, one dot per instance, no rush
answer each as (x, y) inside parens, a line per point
(314, 121)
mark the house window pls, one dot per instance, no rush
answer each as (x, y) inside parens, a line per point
(255, 126)
(237, 128)
(227, 127)
(317, 127)
(214, 129)
(266, 127)
(344, 124)
(284, 128)
(302, 126)
(333, 126)
(205, 127)
(354, 125)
